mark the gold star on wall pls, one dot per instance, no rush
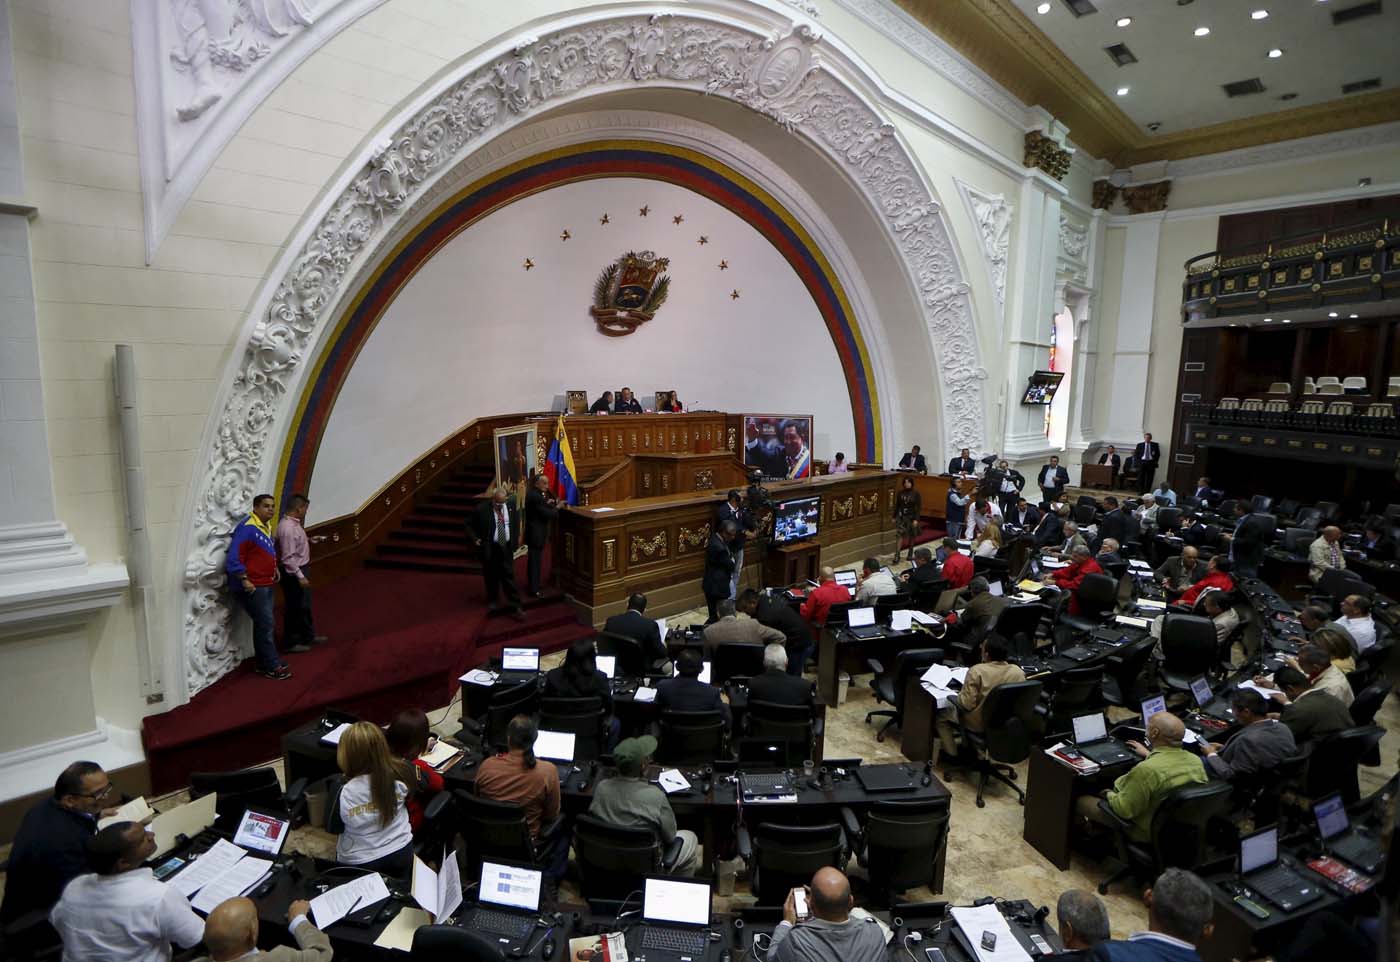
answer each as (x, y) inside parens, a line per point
(642, 212)
(703, 240)
(734, 294)
(565, 235)
(529, 263)
(604, 220)
(678, 219)
(724, 265)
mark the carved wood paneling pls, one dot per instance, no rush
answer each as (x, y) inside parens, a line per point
(609, 554)
(692, 539)
(649, 547)
(842, 508)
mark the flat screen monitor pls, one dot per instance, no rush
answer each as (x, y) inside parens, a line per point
(555, 746)
(511, 886)
(796, 520)
(1041, 387)
(846, 579)
(261, 832)
(520, 659)
(1331, 815)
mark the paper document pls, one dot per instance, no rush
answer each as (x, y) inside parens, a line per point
(1266, 692)
(974, 920)
(1047, 563)
(332, 737)
(1029, 585)
(1024, 597)
(478, 676)
(209, 866)
(330, 907)
(398, 934)
(1191, 738)
(1151, 605)
(188, 820)
(940, 675)
(602, 510)
(1130, 620)
(661, 624)
(901, 620)
(644, 694)
(441, 752)
(923, 618)
(242, 876)
(438, 892)
(1138, 563)
(135, 810)
(671, 780)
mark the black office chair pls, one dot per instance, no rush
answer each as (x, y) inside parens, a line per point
(1297, 540)
(735, 659)
(963, 641)
(1335, 584)
(584, 717)
(1114, 569)
(793, 724)
(1370, 664)
(1009, 715)
(1083, 515)
(781, 857)
(1019, 624)
(1188, 650)
(895, 602)
(1097, 595)
(250, 788)
(1334, 759)
(1181, 826)
(836, 615)
(1076, 692)
(1368, 701)
(500, 830)
(1123, 671)
(1168, 519)
(1310, 518)
(890, 686)
(631, 660)
(504, 704)
(691, 738)
(452, 943)
(613, 860)
(927, 593)
(1328, 510)
(1086, 499)
(899, 842)
(30, 937)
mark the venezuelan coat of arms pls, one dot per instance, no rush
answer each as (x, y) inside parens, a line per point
(629, 292)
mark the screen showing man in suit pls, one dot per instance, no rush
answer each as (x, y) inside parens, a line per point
(778, 446)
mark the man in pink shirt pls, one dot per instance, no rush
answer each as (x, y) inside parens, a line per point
(293, 556)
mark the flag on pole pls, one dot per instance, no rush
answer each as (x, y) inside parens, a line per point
(559, 466)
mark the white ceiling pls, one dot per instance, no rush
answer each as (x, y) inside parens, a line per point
(1178, 77)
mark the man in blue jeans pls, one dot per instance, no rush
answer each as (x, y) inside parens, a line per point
(251, 566)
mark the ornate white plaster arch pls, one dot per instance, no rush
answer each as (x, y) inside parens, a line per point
(780, 69)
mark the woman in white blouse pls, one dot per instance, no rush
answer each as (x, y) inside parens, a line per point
(377, 833)
(988, 543)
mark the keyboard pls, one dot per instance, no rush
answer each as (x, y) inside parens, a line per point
(1273, 883)
(1106, 753)
(1077, 653)
(503, 923)
(681, 941)
(777, 783)
(1365, 855)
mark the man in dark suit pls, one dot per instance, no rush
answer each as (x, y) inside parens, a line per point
(924, 570)
(775, 612)
(494, 527)
(603, 405)
(1023, 515)
(1374, 541)
(962, 464)
(1147, 454)
(1052, 479)
(1205, 493)
(1111, 457)
(777, 685)
(633, 623)
(626, 403)
(914, 461)
(686, 692)
(719, 566)
(541, 508)
(1192, 532)
(1116, 523)
(50, 848)
(1251, 536)
(1003, 483)
(1050, 530)
(733, 510)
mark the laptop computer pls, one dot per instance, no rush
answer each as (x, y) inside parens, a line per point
(1076, 653)
(1207, 703)
(676, 913)
(508, 902)
(847, 580)
(860, 623)
(1152, 706)
(884, 778)
(607, 664)
(518, 664)
(262, 832)
(767, 787)
(996, 589)
(1264, 873)
(1092, 739)
(1338, 838)
(555, 746)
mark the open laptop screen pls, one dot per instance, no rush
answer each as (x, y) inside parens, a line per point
(1258, 850)
(1331, 815)
(260, 832)
(1200, 690)
(1153, 706)
(847, 579)
(511, 885)
(672, 900)
(520, 659)
(607, 664)
(555, 746)
(860, 617)
(996, 589)
(1089, 728)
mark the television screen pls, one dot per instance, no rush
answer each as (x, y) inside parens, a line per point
(1041, 387)
(780, 446)
(795, 520)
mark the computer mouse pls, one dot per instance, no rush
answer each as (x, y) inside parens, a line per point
(926, 780)
(547, 949)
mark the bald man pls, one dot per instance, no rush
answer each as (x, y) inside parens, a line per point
(820, 599)
(1165, 767)
(231, 932)
(1325, 553)
(829, 934)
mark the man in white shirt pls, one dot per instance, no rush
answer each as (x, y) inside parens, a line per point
(982, 512)
(875, 582)
(121, 913)
(1356, 619)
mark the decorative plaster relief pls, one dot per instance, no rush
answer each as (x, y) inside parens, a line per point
(1074, 238)
(992, 214)
(777, 75)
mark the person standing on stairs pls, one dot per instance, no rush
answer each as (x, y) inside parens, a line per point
(541, 508)
(494, 528)
(293, 559)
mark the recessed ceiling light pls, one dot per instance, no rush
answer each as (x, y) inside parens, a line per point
(1287, 321)
(1354, 316)
(1122, 91)
(1332, 314)
(1259, 15)
(1202, 31)
(1268, 320)
(1043, 9)
(1124, 21)
(1275, 53)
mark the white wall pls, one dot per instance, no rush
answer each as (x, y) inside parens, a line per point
(474, 334)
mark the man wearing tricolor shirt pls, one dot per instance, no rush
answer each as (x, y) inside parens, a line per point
(251, 566)
(797, 456)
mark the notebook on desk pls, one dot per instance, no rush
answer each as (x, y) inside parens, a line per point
(884, 778)
(860, 623)
(1094, 743)
(1262, 871)
(1340, 840)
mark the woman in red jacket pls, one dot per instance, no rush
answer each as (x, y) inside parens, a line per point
(408, 738)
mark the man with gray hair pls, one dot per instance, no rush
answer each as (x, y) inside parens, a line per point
(1083, 922)
(775, 685)
(980, 604)
(1179, 908)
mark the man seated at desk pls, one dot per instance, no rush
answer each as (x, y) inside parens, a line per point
(992, 671)
(820, 599)
(914, 461)
(1082, 920)
(775, 685)
(1217, 577)
(1180, 572)
(1219, 607)
(1325, 554)
(627, 404)
(1023, 515)
(737, 624)
(1375, 543)
(603, 405)
(875, 582)
(1308, 712)
(1165, 767)
(1070, 578)
(775, 612)
(1050, 531)
(831, 934)
(628, 800)
(1108, 553)
(977, 601)
(958, 568)
(633, 623)
(961, 465)
(1179, 909)
(1356, 619)
(1192, 532)
(231, 934)
(1070, 538)
(924, 570)
(1260, 744)
(1316, 665)
(686, 692)
(519, 778)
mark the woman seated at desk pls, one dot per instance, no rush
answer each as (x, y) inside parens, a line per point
(377, 834)
(408, 738)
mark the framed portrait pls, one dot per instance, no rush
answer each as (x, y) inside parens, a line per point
(779, 445)
(516, 456)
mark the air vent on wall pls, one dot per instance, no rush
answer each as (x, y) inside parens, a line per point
(1081, 8)
(1120, 54)
(1356, 86)
(1241, 88)
(1349, 14)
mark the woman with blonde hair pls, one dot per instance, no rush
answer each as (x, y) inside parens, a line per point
(377, 833)
(1338, 645)
(988, 543)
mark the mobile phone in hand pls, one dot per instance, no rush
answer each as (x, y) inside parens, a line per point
(799, 904)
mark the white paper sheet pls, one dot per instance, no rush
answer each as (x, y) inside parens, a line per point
(240, 877)
(603, 510)
(1266, 692)
(1047, 563)
(478, 676)
(661, 624)
(438, 892)
(644, 694)
(974, 920)
(332, 737)
(1151, 605)
(1129, 620)
(188, 820)
(923, 618)
(440, 753)
(330, 907)
(135, 810)
(671, 780)
(398, 934)
(940, 675)
(209, 866)
(901, 620)
(1191, 738)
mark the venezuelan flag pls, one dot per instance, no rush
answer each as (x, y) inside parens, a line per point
(559, 466)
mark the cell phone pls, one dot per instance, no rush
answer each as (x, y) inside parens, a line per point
(167, 867)
(935, 955)
(1041, 946)
(799, 904)
(989, 941)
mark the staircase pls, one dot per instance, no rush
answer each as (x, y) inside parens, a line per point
(433, 538)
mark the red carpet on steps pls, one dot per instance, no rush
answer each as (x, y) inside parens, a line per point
(398, 639)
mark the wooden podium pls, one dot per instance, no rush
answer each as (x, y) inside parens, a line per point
(792, 564)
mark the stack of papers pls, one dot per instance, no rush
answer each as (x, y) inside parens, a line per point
(478, 676)
(222, 873)
(135, 810)
(1151, 605)
(333, 905)
(332, 737)
(209, 866)
(644, 694)
(440, 893)
(901, 620)
(1047, 563)
(398, 934)
(974, 920)
(1135, 622)
(936, 681)
(924, 618)
(1024, 597)
(1266, 692)
(1028, 585)
(440, 754)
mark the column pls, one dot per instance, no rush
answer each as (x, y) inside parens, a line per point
(1030, 314)
(1132, 351)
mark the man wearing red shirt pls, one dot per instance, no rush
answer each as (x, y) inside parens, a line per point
(957, 567)
(1217, 576)
(818, 604)
(1069, 579)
